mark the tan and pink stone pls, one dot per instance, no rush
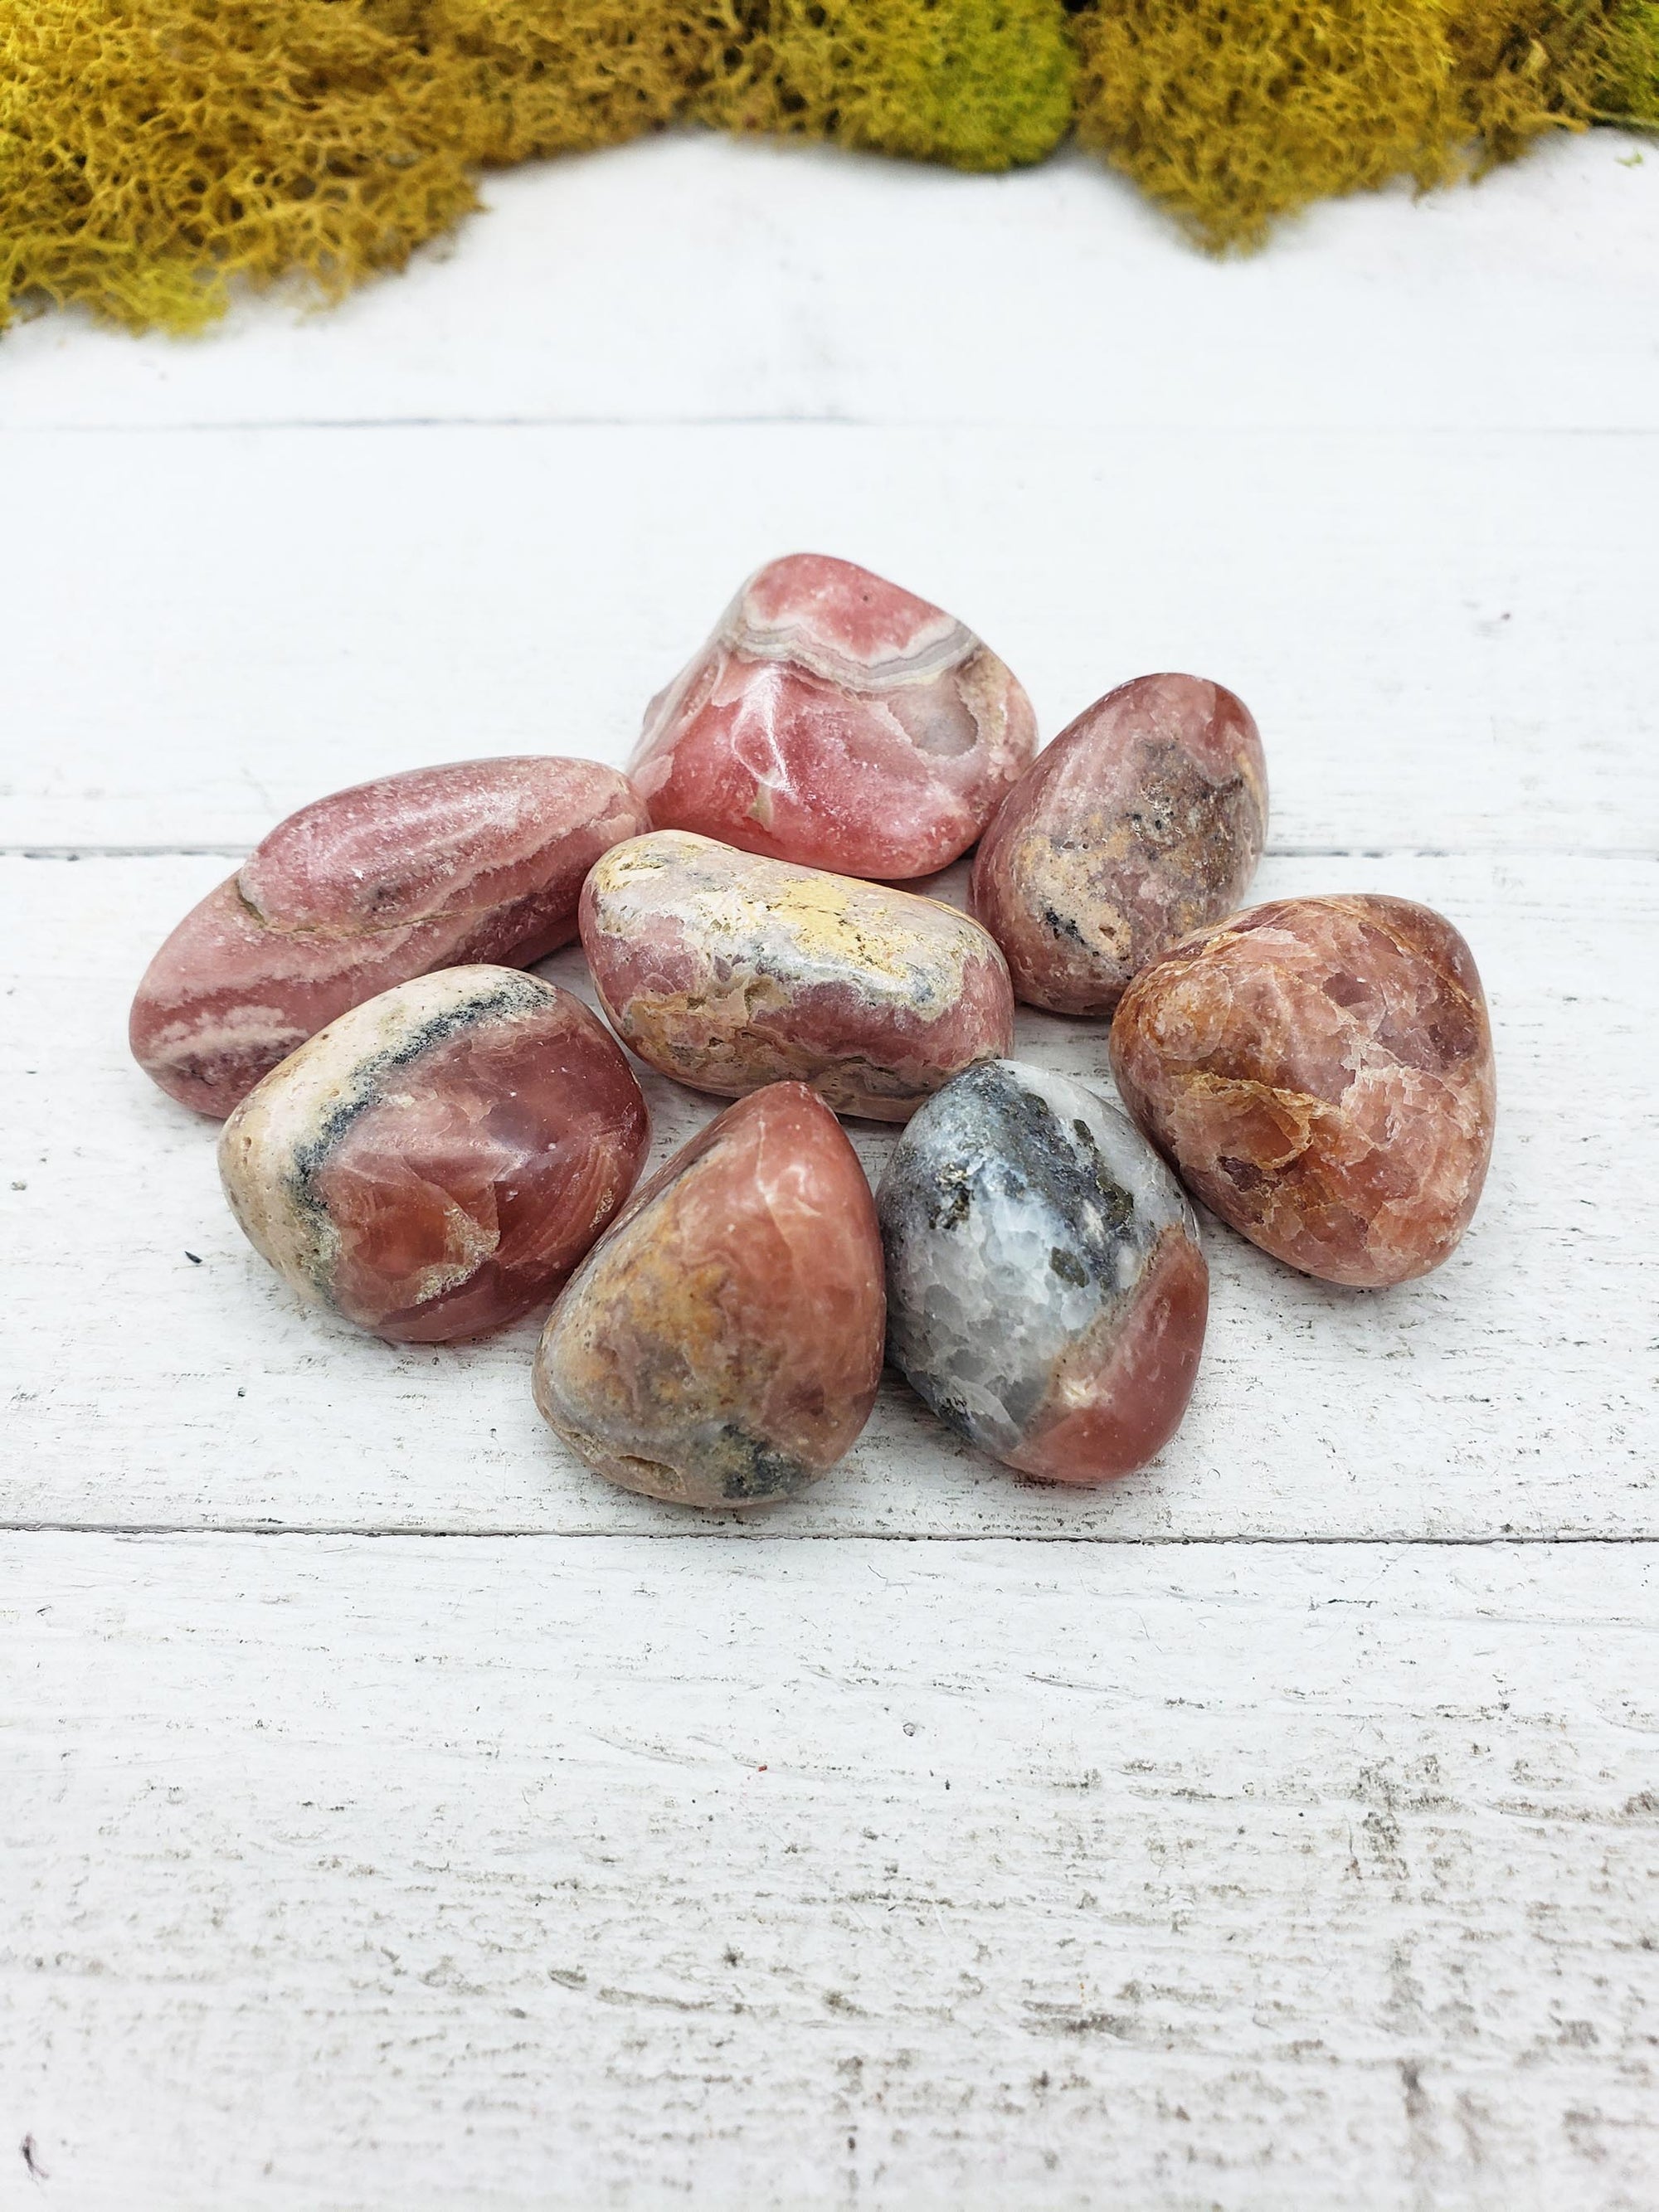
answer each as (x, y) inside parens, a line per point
(728, 971)
(835, 721)
(479, 860)
(1320, 1070)
(1143, 820)
(1046, 1293)
(721, 1345)
(434, 1163)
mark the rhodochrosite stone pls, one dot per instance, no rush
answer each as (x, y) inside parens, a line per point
(1141, 822)
(434, 1163)
(1046, 1293)
(480, 860)
(722, 1344)
(835, 720)
(1321, 1071)
(729, 972)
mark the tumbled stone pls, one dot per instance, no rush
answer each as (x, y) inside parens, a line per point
(835, 721)
(728, 971)
(1320, 1070)
(1143, 820)
(434, 1163)
(1046, 1292)
(722, 1344)
(480, 860)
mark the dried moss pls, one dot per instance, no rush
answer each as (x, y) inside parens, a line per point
(1234, 112)
(152, 150)
(978, 84)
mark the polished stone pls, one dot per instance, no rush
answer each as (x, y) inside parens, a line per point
(722, 1344)
(1320, 1070)
(480, 860)
(1143, 820)
(1047, 1291)
(835, 721)
(434, 1163)
(728, 971)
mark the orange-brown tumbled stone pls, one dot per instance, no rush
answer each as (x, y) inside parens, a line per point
(722, 1344)
(1320, 1070)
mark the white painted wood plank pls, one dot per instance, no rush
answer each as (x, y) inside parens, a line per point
(515, 1874)
(1510, 1391)
(1448, 640)
(692, 277)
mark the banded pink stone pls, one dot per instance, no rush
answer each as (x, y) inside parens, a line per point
(479, 860)
(838, 722)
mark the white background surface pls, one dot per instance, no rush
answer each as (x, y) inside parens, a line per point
(393, 1815)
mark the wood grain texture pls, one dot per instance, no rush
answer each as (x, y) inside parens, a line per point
(349, 1873)
(1447, 639)
(1510, 1392)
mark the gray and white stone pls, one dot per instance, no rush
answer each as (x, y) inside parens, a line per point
(1047, 1290)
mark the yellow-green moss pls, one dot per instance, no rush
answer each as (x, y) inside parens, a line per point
(978, 84)
(151, 150)
(1234, 112)
(1627, 83)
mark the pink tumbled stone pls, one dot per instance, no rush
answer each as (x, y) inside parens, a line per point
(434, 1163)
(1143, 820)
(729, 971)
(721, 1346)
(834, 720)
(479, 860)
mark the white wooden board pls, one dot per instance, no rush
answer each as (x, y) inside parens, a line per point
(1447, 639)
(413, 1821)
(508, 1873)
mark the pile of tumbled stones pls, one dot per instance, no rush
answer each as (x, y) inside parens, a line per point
(432, 1142)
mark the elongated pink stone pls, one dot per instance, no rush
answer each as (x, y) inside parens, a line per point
(1320, 1070)
(1143, 820)
(729, 972)
(838, 722)
(480, 860)
(434, 1163)
(721, 1345)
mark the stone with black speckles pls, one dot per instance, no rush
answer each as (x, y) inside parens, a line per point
(837, 720)
(1047, 1290)
(728, 971)
(479, 860)
(434, 1163)
(721, 1345)
(1321, 1071)
(1143, 820)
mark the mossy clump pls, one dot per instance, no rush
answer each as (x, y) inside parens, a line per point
(976, 84)
(1232, 114)
(1627, 82)
(150, 150)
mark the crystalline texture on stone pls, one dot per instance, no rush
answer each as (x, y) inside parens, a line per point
(1141, 822)
(432, 1164)
(1320, 1070)
(835, 721)
(1046, 1292)
(721, 1345)
(728, 971)
(480, 860)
